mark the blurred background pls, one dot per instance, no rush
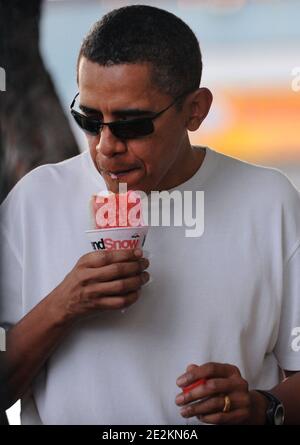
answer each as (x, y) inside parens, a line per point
(251, 56)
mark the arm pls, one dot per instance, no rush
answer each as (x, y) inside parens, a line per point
(98, 282)
(29, 343)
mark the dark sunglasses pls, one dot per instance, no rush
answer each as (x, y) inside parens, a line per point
(125, 129)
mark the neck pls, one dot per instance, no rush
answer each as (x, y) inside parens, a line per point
(187, 165)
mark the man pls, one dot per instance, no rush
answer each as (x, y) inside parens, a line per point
(221, 307)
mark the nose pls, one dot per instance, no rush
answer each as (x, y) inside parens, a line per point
(109, 145)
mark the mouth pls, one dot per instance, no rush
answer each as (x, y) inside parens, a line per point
(117, 174)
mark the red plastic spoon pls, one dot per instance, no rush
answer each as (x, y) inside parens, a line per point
(194, 385)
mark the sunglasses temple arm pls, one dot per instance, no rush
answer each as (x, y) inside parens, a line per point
(73, 101)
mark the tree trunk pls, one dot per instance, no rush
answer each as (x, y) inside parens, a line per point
(34, 128)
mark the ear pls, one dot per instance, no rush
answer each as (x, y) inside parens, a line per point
(198, 107)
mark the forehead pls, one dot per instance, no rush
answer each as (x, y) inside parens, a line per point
(116, 84)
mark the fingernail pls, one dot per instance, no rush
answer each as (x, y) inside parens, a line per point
(145, 277)
(184, 412)
(144, 262)
(181, 380)
(180, 399)
(149, 281)
(138, 252)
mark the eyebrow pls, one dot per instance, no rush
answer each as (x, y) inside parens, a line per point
(88, 109)
(130, 112)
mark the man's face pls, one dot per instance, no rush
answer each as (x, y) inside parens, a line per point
(152, 162)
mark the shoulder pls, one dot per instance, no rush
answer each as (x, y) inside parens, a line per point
(48, 176)
(55, 172)
(264, 195)
(45, 182)
(257, 179)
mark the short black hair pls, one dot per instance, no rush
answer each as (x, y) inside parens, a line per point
(141, 34)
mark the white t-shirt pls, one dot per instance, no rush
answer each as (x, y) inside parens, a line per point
(231, 295)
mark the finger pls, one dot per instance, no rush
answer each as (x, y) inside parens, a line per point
(191, 367)
(117, 287)
(117, 302)
(237, 417)
(210, 405)
(114, 271)
(206, 371)
(99, 259)
(198, 382)
(208, 389)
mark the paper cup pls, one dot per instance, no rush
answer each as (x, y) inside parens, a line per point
(117, 238)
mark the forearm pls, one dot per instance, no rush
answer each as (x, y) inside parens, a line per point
(288, 392)
(94, 284)
(29, 344)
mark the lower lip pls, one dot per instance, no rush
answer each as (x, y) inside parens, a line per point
(123, 175)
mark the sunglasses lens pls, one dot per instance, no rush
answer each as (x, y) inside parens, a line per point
(88, 125)
(132, 129)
